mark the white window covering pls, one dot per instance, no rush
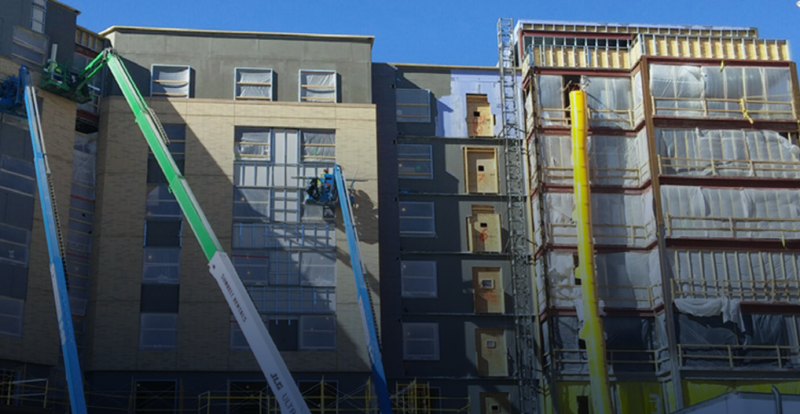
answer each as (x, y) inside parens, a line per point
(11, 311)
(318, 86)
(170, 81)
(251, 204)
(158, 330)
(283, 236)
(162, 265)
(617, 219)
(418, 279)
(162, 204)
(733, 152)
(29, 47)
(252, 266)
(38, 13)
(413, 105)
(614, 160)
(318, 269)
(283, 300)
(319, 146)
(17, 175)
(609, 101)
(14, 243)
(417, 219)
(624, 280)
(421, 341)
(253, 143)
(318, 333)
(699, 212)
(253, 83)
(741, 275)
(415, 161)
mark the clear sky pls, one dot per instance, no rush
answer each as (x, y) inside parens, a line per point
(457, 32)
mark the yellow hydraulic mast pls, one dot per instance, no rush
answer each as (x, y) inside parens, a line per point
(592, 332)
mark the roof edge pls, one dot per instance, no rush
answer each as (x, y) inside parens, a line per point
(112, 29)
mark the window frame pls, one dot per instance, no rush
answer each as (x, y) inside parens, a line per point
(166, 95)
(406, 118)
(435, 339)
(271, 85)
(301, 346)
(38, 5)
(407, 233)
(300, 74)
(142, 331)
(421, 176)
(419, 294)
(20, 317)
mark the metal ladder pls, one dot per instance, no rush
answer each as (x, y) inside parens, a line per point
(517, 246)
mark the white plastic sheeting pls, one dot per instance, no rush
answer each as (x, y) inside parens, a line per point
(318, 146)
(317, 86)
(252, 204)
(80, 225)
(158, 330)
(317, 333)
(617, 219)
(714, 92)
(727, 152)
(743, 275)
(161, 203)
(170, 81)
(413, 105)
(638, 98)
(609, 101)
(614, 160)
(284, 236)
(730, 309)
(254, 83)
(701, 212)
(161, 265)
(624, 279)
(253, 143)
(551, 100)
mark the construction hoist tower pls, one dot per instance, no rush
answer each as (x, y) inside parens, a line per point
(517, 246)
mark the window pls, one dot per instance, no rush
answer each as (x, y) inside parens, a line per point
(29, 47)
(158, 233)
(38, 12)
(318, 146)
(251, 204)
(318, 333)
(414, 161)
(11, 316)
(418, 279)
(318, 86)
(161, 203)
(421, 341)
(252, 266)
(253, 143)
(14, 243)
(176, 133)
(413, 105)
(162, 265)
(253, 83)
(170, 81)
(158, 330)
(417, 219)
(156, 396)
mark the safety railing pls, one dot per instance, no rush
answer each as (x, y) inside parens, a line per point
(640, 297)
(741, 357)
(709, 47)
(29, 393)
(636, 176)
(609, 118)
(293, 299)
(576, 360)
(726, 167)
(633, 235)
(741, 108)
(747, 290)
(732, 227)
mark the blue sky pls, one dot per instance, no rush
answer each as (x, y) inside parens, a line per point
(458, 32)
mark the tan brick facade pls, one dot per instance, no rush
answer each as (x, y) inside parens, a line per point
(204, 321)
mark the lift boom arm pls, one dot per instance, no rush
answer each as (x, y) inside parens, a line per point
(364, 303)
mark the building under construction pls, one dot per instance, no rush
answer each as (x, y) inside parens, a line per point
(463, 196)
